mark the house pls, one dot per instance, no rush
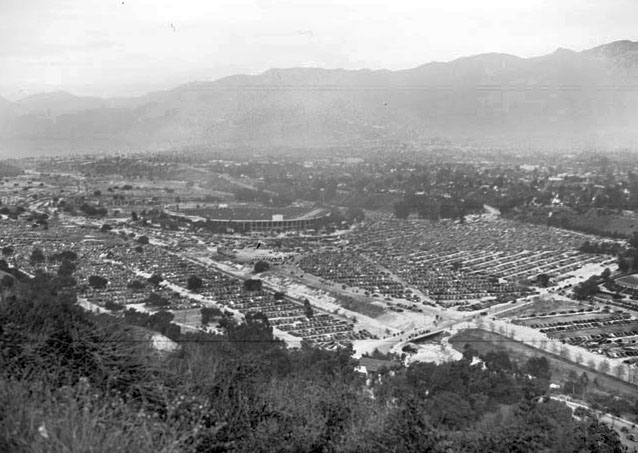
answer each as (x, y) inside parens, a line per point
(368, 365)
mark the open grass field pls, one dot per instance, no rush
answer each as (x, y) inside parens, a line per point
(247, 212)
(484, 341)
(360, 304)
(191, 318)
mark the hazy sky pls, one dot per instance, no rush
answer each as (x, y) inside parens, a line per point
(124, 47)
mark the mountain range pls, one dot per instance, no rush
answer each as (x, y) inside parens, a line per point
(560, 99)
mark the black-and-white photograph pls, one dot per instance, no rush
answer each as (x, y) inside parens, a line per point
(318, 226)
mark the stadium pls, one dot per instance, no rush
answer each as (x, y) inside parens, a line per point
(246, 219)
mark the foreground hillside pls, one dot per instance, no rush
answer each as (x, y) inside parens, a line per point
(562, 99)
(73, 381)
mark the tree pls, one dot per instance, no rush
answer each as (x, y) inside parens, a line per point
(7, 251)
(161, 322)
(135, 285)
(155, 279)
(113, 306)
(498, 361)
(401, 210)
(7, 281)
(252, 285)
(92, 210)
(279, 295)
(194, 283)
(97, 282)
(620, 371)
(573, 384)
(37, 257)
(623, 264)
(586, 289)
(66, 269)
(307, 308)
(606, 274)
(255, 334)
(354, 214)
(261, 266)
(69, 255)
(143, 240)
(134, 216)
(155, 300)
(209, 313)
(538, 367)
(450, 410)
(543, 280)
(604, 366)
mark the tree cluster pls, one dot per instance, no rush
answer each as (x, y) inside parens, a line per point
(587, 289)
(601, 248)
(261, 266)
(245, 392)
(252, 285)
(93, 211)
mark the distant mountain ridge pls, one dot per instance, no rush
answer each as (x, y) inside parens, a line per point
(57, 103)
(563, 97)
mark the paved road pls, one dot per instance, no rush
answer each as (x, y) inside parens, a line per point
(616, 423)
(449, 323)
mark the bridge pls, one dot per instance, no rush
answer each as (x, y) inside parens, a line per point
(425, 335)
(419, 334)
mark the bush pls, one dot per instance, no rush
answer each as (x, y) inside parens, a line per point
(208, 313)
(155, 300)
(7, 281)
(113, 306)
(66, 269)
(261, 266)
(194, 283)
(155, 279)
(135, 285)
(97, 282)
(37, 257)
(76, 381)
(252, 285)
